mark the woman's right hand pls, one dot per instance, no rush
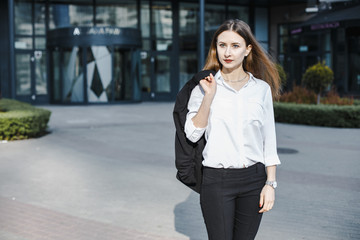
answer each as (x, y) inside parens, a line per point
(200, 120)
(209, 85)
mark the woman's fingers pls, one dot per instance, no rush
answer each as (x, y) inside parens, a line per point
(267, 199)
(211, 77)
(268, 205)
(261, 203)
(208, 84)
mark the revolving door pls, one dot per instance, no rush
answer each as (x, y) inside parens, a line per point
(98, 69)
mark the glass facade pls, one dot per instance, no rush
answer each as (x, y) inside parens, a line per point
(326, 49)
(124, 84)
(188, 67)
(23, 42)
(115, 13)
(40, 73)
(167, 59)
(215, 14)
(145, 19)
(169, 51)
(188, 41)
(72, 75)
(353, 35)
(238, 12)
(261, 27)
(162, 73)
(162, 26)
(94, 74)
(30, 49)
(65, 15)
(56, 75)
(188, 26)
(23, 74)
(99, 73)
(39, 18)
(298, 50)
(337, 44)
(23, 18)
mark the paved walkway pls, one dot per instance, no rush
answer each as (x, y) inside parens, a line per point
(107, 173)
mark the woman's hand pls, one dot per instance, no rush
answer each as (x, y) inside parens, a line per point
(209, 85)
(267, 198)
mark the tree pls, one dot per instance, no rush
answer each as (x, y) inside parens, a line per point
(317, 78)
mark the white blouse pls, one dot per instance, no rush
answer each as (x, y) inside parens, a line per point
(241, 125)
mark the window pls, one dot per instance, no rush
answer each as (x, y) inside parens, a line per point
(188, 67)
(326, 49)
(120, 14)
(162, 25)
(188, 29)
(23, 18)
(261, 27)
(66, 15)
(30, 43)
(39, 18)
(238, 12)
(283, 44)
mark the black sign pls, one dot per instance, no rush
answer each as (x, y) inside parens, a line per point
(91, 36)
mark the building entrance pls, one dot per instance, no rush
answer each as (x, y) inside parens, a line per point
(94, 66)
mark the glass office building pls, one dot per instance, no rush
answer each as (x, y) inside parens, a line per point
(332, 36)
(109, 51)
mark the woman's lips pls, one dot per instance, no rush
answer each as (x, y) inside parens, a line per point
(228, 60)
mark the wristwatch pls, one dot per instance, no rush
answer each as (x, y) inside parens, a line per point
(273, 184)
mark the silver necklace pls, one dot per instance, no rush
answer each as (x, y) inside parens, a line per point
(236, 80)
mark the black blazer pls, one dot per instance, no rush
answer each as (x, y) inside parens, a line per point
(188, 155)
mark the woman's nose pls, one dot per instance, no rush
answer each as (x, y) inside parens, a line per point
(227, 52)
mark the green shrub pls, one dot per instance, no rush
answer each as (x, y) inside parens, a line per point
(20, 120)
(357, 102)
(318, 115)
(317, 78)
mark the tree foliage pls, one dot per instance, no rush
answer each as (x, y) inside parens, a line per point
(317, 78)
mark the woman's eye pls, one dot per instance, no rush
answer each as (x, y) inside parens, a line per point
(236, 46)
(221, 45)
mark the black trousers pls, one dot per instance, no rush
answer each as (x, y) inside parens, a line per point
(229, 201)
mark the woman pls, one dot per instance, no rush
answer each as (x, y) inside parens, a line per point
(234, 110)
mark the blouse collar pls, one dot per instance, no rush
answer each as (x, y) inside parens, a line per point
(220, 80)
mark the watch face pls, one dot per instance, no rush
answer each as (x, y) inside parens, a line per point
(272, 183)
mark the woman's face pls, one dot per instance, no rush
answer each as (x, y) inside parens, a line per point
(231, 49)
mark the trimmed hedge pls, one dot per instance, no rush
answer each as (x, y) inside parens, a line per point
(318, 115)
(20, 120)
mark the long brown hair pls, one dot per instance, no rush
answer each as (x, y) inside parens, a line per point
(258, 62)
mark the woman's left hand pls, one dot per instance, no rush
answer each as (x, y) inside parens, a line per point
(267, 198)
